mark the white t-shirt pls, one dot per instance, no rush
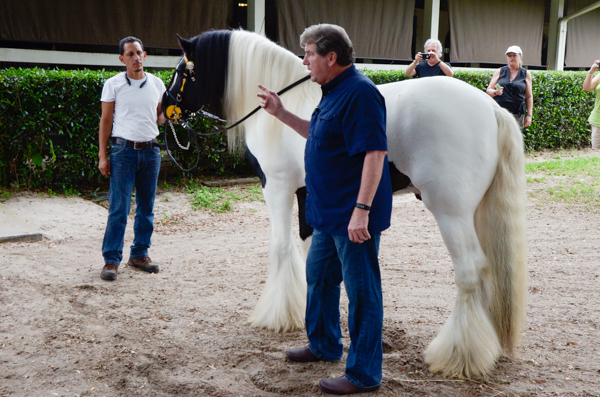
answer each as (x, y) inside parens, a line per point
(134, 117)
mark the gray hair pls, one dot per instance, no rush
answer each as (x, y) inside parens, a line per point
(437, 43)
(328, 38)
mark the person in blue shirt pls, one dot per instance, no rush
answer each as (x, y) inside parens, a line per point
(433, 65)
(349, 204)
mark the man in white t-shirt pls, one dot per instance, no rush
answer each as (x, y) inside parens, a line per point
(131, 107)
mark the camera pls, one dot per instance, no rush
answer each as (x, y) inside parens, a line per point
(425, 55)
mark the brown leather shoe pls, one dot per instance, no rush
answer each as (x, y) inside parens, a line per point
(109, 272)
(342, 385)
(144, 264)
(301, 355)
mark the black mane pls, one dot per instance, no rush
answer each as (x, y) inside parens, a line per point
(210, 54)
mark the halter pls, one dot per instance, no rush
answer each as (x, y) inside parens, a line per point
(174, 112)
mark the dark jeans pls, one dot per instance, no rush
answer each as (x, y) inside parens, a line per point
(129, 168)
(331, 260)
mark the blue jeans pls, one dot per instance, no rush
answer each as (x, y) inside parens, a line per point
(129, 168)
(331, 260)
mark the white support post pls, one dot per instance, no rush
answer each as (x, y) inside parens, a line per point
(561, 45)
(256, 16)
(431, 20)
(562, 32)
(557, 8)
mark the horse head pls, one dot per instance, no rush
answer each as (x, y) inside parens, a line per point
(199, 78)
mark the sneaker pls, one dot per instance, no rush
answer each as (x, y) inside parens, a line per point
(109, 272)
(144, 264)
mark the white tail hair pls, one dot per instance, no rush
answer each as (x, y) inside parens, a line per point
(500, 224)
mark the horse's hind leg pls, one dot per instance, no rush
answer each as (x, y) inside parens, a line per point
(282, 304)
(467, 345)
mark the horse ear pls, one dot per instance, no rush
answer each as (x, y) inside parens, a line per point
(185, 44)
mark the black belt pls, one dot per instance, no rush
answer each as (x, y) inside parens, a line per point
(136, 145)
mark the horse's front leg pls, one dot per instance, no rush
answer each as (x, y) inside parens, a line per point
(282, 304)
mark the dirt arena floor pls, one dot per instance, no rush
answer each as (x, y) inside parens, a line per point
(184, 331)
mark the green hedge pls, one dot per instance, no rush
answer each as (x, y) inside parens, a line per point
(560, 106)
(49, 127)
(49, 124)
(49, 131)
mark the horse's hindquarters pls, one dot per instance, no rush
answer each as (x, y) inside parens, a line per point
(443, 135)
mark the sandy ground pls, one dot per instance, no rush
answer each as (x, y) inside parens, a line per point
(184, 331)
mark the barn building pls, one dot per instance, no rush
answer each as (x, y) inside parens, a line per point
(554, 34)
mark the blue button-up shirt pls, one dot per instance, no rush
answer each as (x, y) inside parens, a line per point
(349, 121)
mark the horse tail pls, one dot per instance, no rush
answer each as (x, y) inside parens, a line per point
(500, 225)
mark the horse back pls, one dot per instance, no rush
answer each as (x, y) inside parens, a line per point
(441, 127)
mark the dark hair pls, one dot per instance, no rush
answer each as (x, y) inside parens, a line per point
(129, 39)
(327, 38)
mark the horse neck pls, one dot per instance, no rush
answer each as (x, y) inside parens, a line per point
(255, 60)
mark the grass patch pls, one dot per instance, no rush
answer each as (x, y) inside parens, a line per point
(219, 199)
(576, 167)
(573, 181)
(166, 219)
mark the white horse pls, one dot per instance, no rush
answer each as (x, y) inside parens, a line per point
(466, 162)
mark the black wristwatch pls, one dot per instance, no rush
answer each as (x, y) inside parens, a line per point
(363, 207)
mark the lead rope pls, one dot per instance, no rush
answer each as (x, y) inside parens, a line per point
(177, 140)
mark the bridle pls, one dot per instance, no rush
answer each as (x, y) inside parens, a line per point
(174, 113)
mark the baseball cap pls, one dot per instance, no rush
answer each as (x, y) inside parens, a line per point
(514, 48)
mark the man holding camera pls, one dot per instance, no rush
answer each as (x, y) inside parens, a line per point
(349, 203)
(429, 63)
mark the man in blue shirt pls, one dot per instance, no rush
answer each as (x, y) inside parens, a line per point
(349, 203)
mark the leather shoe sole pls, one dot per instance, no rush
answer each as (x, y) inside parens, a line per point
(109, 272)
(341, 386)
(301, 355)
